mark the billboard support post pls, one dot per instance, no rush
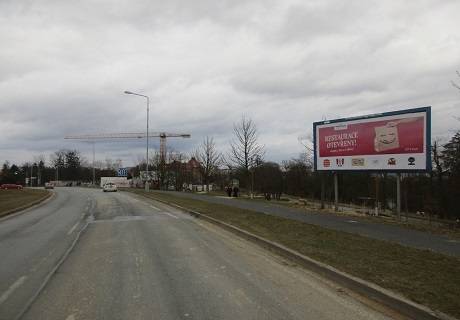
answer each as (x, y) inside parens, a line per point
(398, 196)
(323, 189)
(397, 141)
(336, 191)
(377, 194)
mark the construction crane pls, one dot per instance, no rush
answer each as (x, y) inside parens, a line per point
(131, 135)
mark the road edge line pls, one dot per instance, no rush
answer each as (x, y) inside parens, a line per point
(370, 290)
(23, 209)
(51, 273)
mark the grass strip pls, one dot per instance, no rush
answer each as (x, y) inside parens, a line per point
(14, 199)
(423, 276)
(452, 231)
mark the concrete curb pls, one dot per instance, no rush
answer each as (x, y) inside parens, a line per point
(22, 209)
(372, 291)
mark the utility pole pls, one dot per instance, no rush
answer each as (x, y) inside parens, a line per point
(94, 163)
(31, 174)
(147, 184)
(252, 183)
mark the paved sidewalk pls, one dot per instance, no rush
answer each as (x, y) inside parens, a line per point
(393, 233)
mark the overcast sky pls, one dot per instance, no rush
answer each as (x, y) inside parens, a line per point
(65, 64)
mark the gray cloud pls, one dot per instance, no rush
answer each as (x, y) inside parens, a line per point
(64, 66)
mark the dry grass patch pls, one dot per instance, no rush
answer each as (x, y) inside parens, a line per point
(13, 199)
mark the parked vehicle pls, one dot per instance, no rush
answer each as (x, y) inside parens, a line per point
(110, 187)
(7, 186)
(49, 185)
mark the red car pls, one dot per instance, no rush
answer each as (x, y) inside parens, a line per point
(7, 186)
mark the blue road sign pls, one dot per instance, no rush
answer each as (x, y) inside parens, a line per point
(122, 172)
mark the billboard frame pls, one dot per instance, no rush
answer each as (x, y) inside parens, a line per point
(427, 110)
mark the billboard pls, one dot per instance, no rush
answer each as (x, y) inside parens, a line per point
(391, 141)
(152, 176)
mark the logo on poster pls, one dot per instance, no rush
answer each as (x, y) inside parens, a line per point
(392, 162)
(357, 162)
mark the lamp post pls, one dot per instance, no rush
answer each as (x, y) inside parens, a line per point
(94, 163)
(147, 165)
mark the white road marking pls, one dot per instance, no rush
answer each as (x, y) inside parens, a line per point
(11, 289)
(128, 218)
(156, 208)
(169, 214)
(73, 228)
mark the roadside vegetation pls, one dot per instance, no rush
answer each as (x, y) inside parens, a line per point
(15, 199)
(242, 163)
(423, 276)
(445, 227)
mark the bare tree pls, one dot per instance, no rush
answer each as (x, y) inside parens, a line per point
(157, 168)
(58, 161)
(245, 150)
(41, 163)
(176, 170)
(456, 85)
(209, 159)
(109, 163)
(307, 156)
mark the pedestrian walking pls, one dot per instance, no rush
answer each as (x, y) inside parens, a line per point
(235, 191)
(229, 191)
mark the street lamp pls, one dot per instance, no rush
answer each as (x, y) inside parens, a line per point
(147, 165)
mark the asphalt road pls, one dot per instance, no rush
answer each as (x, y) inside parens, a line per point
(31, 244)
(139, 259)
(387, 232)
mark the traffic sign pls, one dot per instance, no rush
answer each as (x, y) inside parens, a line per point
(122, 172)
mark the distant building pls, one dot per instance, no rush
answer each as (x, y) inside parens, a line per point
(193, 170)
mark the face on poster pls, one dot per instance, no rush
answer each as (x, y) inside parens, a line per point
(387, 142)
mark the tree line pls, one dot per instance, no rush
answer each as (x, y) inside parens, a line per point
(435, 192)
(64, 165)
(432, 193)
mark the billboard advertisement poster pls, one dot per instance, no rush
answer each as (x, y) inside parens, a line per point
(392, 141)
